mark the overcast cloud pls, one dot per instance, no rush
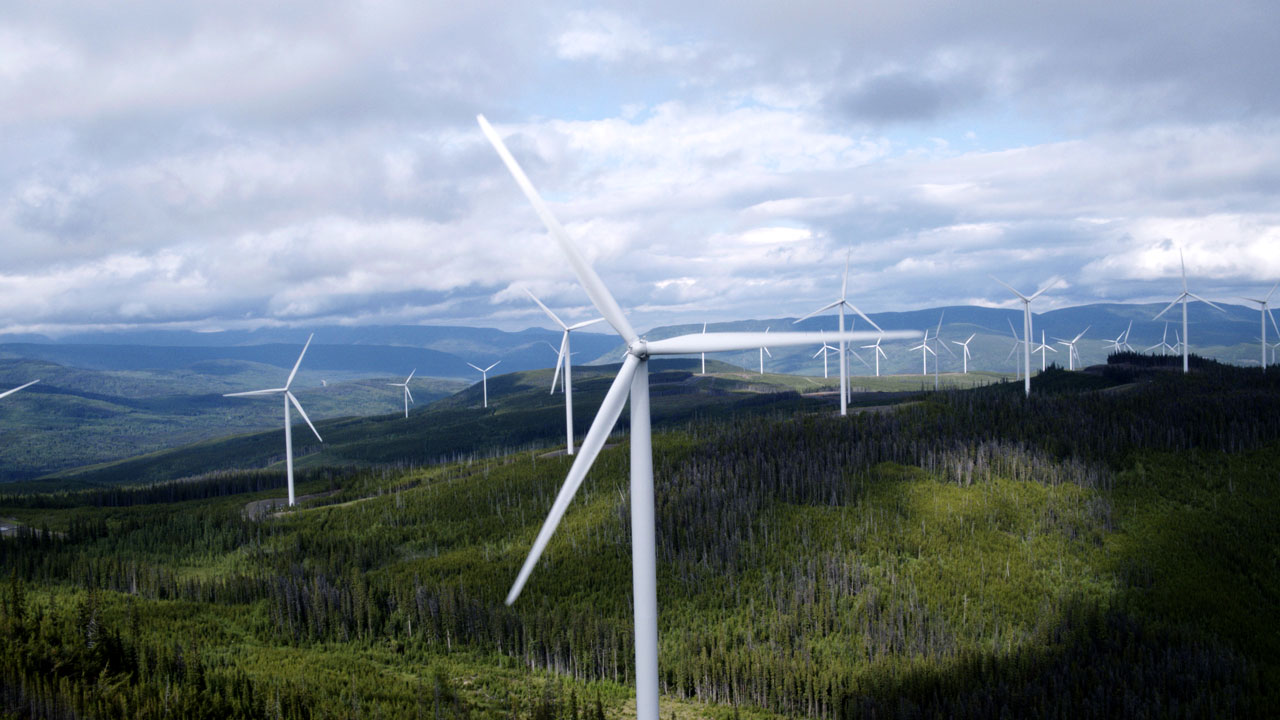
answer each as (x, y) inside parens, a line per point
(247, 164)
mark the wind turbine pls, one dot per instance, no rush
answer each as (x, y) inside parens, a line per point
(1017, 367)
(704, 355)
(564, 360)
(840, 304)
(924, 349)
(965, 346)
(7, 393)
(633, 380)
(879, 353)
(1026, 327)
(823, 352)
(1163, 345)
(937, 340)
(408, 396)
(288, 421)
(763, 350)
(1263, 307)
(1044, 351)
(1072, 354)
(1185, 341)
(484, 379)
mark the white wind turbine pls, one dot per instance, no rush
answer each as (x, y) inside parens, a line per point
(924, 349)
(7, 393)
(408, 396)
(1026, 327)
(1017, 367)
(878, 353)
(633, 380)
(1263, 307)
(1044, 351)
(840, 304)
(965, 346)
(764, 350)
(564, 360)
(1184, 341)
(484, 380)
(1164, 346)
(937, 340)
(704, 355)
(288, 420)
(823, 352)
(1072, 353)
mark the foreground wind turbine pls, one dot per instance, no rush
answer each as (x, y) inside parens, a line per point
(1072, 353)
(840, 304)
(484, 380)
(565, 362)
(1026, 327)
(1186, 294)
(7, 393)
(1263, 307)
(288, 420)
(823, 352)
(633, 380)
(965, 346)
(408, 396)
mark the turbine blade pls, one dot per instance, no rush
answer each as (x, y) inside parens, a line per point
(1273, 289)
(815, 312)
(855, 354)
(303, 413)
(766, 351)
(491, 366)
(289, 382)
(1273, 321)
(1052, 282)
(255, 392)
(406, 380)
(1206, 302)
(559, 361)
(586, 323)
(844, 285)
(546, 309)
(7, 393)
(610, 409)
(864, 317)
(1167, 308)
(1015, 292)
(727, 341)
(409, 392)
(477, 369)
(591, 282)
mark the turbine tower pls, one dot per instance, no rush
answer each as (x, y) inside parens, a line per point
(408, 396)
(1072, 353)
(840, 304)
(965, 346)
(288, 420)
(564, 360)
(879, 353)
(704, 355)
(7, 393)
(484, 379)
(633, 380)
(1026, 328)
(1263, 307)
(764, 350)
(1186, 294)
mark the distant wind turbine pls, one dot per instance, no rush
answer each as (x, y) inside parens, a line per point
(484, 380)
(7, 393)
(1122, 340)
(878, 353)
(1017, 366)
(1186, 293)
(1026, 327)
(937, 340)
(1072, 353)
(408, 396)
(1164, 346)
(823, 352)
(704, 355)
(1263, 307)
(965, 346)
(565, 361)
(633, 380)
(763, 350)
(1044, 351)
(288, 421)
(840, 304)
(924, 349)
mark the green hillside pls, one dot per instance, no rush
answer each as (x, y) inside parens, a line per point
(977, 554)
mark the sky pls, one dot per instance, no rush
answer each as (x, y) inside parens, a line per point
(244, 164)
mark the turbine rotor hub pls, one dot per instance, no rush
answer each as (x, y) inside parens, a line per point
(639, 348)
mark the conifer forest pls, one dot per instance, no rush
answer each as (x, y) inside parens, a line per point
(1107, 547)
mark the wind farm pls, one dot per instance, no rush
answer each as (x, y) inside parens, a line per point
(648, 504)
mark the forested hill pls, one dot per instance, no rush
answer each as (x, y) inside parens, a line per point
(1106, 548)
